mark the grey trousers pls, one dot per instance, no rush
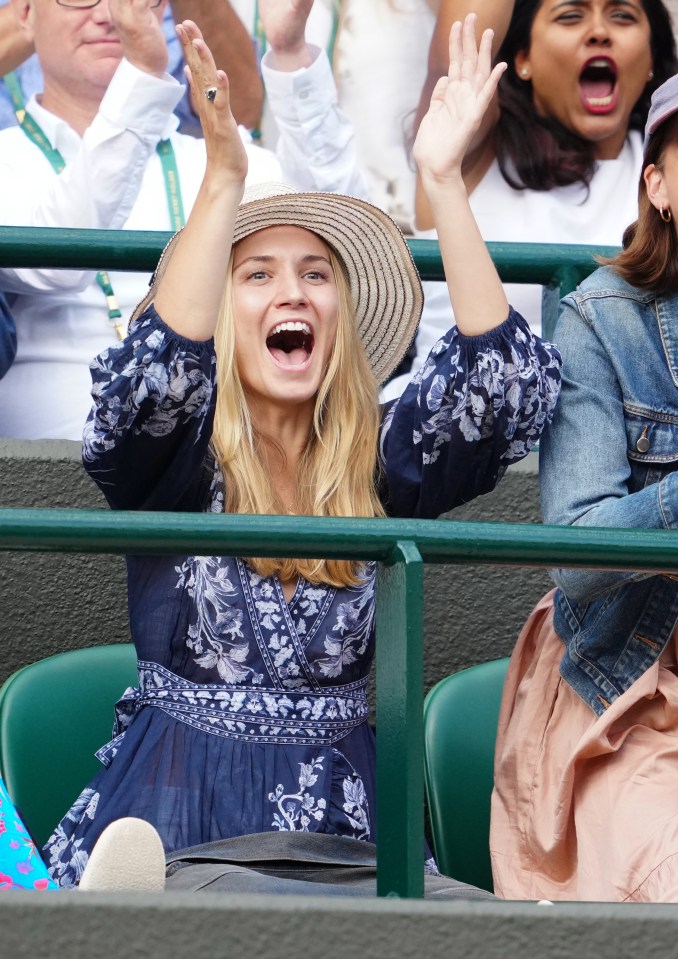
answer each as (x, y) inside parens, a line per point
(293, 863)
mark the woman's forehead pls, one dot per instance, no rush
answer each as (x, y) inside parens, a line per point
(280, 240)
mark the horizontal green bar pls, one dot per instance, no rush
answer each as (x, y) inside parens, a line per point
(439, 541)
(544, 263)
(81, 249)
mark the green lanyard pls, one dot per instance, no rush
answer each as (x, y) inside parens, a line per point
(36, 134)
(262, 44)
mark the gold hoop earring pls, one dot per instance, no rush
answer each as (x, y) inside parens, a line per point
(665, 214)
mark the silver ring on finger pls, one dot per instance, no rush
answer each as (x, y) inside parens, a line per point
(211, 93)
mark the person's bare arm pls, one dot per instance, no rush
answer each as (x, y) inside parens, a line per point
(491, 14)
(15, 45)
(459, 101)
(191, 287)
(233, 51)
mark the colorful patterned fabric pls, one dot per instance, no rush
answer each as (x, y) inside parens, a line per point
(20, 864)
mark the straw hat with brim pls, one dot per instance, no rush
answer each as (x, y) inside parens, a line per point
(384, 282)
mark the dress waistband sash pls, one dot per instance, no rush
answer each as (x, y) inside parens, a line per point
(251, 714)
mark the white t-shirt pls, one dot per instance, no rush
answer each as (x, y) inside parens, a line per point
(562, 215)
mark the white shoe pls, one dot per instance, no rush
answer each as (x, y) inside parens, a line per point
(128, 855)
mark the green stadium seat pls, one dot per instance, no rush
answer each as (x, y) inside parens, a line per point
(460, 728)
(54, 715)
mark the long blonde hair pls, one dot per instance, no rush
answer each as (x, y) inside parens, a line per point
(337, 471)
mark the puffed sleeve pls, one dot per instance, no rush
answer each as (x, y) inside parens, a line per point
(479, 404)
(148, 432)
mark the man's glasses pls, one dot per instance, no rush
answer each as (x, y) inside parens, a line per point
(87, 4)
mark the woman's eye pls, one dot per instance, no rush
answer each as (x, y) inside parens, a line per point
(316, 275)
(570, 16)
(257, 275)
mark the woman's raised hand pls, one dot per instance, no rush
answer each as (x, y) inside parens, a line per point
(191, 288)
(458, 103)
(226, 154)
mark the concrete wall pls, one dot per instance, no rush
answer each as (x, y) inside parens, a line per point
(167, 925)
(53, 602)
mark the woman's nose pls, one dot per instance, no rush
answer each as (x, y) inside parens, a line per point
(291, 291)
(599, 33)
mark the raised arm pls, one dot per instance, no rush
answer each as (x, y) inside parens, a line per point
(101, 182)
(15, 46)
(491, 15)
(233, 51)
(459, 102)
(147, 435)
(316, 144)
(190, 291)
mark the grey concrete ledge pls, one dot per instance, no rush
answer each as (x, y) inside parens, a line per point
(163, 925)
(67, 450)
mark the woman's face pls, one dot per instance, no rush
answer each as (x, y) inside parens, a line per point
(588, 62)
(285, 309)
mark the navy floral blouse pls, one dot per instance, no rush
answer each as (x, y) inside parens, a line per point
(251, 713)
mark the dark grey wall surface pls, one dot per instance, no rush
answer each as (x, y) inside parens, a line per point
(167, 925)
(53, 602)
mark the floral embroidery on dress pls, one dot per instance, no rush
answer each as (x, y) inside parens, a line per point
(217, 628)
(509, 389)
(67, 860)
(295, 810)
(355, 806)
(355, 625)
(178, 388)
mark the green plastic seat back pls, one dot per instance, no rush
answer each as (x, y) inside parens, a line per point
(54, 715)
(460, 729)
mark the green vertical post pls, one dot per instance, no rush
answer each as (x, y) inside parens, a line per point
(400, 732)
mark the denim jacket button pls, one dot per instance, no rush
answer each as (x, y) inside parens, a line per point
(643, 443)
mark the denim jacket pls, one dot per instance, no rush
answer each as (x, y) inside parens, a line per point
(610, 459)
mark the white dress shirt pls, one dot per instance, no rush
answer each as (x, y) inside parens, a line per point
(113, 180)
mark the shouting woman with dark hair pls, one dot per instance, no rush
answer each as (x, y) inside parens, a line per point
(558, 154)
(586, 768)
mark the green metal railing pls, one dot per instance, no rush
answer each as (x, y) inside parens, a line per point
(401, 547)
(557, 267)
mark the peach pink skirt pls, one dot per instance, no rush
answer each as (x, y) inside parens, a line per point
(585, 807)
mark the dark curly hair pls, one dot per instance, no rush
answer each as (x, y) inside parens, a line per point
(539, 153)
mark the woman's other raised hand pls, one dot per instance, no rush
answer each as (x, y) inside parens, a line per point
(458, 104)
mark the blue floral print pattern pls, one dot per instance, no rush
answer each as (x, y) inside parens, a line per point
(296, 809)
(478, 402)
(238, 687)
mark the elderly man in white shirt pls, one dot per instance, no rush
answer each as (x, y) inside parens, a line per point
(106, 106)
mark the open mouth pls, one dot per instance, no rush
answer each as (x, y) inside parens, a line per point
(598, 84)
(290, 344)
